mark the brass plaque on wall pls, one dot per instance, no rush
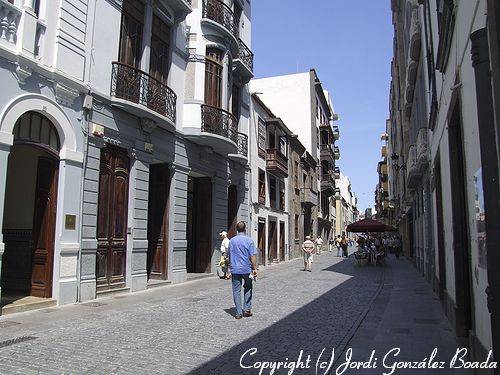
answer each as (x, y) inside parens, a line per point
(70, 222)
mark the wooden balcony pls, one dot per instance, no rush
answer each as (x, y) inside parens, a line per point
(328, 183)
(326, 151)
(276, 163)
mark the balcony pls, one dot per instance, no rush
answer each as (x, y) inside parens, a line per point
(336, 133)
(326, 151)
(336, 173)
(220, 18)
(328, 183)
(244, 62)
(277, 163)
(139, 93)
(181, 8)
(212, 127)
(242, 153)
(422, 147)
(308, 197)
(413, 173)
(383, 151)
(337, 194)
(336, 153)
(383, 169)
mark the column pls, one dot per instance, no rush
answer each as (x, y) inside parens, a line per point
(177, 229)
(89, 220)
(5, 144)
(138, 219)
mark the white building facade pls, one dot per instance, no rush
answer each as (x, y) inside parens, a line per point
(300, 100)
(130, 122)
(269, 183)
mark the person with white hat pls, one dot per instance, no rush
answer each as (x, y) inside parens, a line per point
(308, 248)
(224, 259)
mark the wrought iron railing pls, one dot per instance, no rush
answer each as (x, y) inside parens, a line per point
(136, 86)
(219, 12)
(217, 121)
(242, 144)
(245, 55)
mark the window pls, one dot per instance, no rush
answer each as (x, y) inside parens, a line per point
(296, 227)
(262, 187)
(131, 33)
(213, 77)
(296, 175)
(262, 137)
(282, 144)
(304, 180)
(272, 191)
(272, 140)
(282, 195)
(159, 57)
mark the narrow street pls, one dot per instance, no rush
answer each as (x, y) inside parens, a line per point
(189, 328)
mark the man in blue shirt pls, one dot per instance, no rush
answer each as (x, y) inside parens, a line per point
(242, 255)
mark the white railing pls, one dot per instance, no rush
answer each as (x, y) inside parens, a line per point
(9, 21)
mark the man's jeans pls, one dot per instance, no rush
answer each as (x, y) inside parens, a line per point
(237, 280)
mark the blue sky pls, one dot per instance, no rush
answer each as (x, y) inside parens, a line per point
(349, 42)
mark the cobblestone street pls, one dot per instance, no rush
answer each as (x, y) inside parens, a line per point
(188, 328)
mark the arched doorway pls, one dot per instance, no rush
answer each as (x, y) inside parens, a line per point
(29, 216)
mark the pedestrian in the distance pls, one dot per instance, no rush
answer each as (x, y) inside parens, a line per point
(243, 258)
(308, 249)
(338, 244)
(331, 243)
(319, 245)
(344, 243)
(224, 259)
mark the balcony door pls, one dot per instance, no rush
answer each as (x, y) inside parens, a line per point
(131, 33)
(130, 53)
(159, 63)
(213, 78)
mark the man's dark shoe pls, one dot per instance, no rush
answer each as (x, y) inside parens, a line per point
(247, 314)
(238, 316)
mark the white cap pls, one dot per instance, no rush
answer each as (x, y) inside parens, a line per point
(308, 237)
(223, 233)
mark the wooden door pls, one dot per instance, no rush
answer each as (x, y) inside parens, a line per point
(461, 241)
(232, 210)
(44, 226)
(273, 242)
(203, 223)
(262, 242)
(282, 241)
(440, 229)
(159, 190)
(112, 218)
